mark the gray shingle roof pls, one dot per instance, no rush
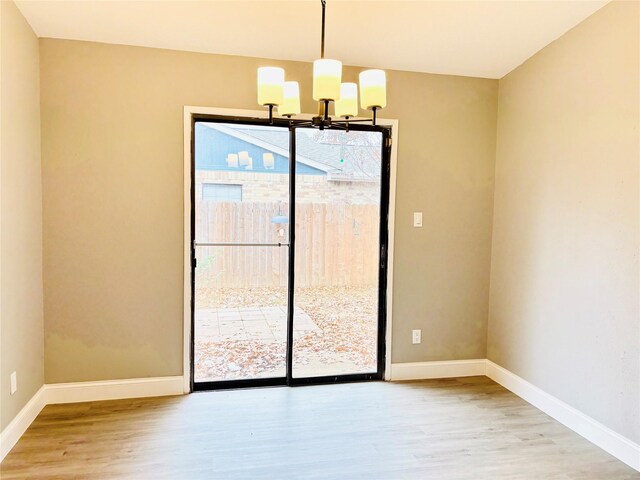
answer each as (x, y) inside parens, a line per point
(349, 156)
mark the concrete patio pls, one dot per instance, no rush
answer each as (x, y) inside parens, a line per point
(263, 324)
(241, 333)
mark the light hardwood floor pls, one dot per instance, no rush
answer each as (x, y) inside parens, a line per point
(451, 429)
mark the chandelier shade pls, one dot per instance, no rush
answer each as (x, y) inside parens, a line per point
(291, 99)
(347, 105)
(270, 85)
(327, 76)
(373, 89)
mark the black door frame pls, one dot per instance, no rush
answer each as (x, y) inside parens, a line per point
(289, 379)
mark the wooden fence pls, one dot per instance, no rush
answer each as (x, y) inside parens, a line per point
(336, 244)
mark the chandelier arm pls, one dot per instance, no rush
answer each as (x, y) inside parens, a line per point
(294, 125)
(360, 120)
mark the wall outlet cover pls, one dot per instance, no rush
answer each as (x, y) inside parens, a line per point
(416, 336)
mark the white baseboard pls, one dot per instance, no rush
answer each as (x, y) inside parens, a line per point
(113, 389)
(445, 369)
(16, 428)
(620, 447)
(85, 392)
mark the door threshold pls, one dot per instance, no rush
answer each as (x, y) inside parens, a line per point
(282, 382)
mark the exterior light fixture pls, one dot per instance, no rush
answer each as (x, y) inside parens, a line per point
(273, 91)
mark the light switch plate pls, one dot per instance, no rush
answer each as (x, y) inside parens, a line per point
(14, 382)
(416, 336)
(417, 219)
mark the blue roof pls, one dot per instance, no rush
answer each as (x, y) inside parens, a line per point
(213, 146)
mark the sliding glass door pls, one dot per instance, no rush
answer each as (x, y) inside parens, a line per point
(240, 206)
(289, 276)
(337, 262)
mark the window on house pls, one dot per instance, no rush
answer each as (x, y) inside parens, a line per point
(221, 192)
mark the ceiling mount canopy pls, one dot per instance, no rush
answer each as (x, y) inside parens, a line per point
(274, 91)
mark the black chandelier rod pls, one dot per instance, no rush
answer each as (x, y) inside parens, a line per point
(324, 5)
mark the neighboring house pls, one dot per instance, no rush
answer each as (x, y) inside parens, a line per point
(245, 163)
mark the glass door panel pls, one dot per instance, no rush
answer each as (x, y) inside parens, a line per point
(337, 253)
(241, 235)
(241, 186)
(240, 321)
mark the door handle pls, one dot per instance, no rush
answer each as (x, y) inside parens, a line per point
(233, 244)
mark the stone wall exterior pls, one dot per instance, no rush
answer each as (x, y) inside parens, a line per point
(271, 187)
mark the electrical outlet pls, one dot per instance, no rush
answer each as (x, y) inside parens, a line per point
(14, 382)
(416, 336)
(417, 219)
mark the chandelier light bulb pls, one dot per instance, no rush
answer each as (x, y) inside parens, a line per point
(347, 105)
(373, 89)
(327, 75)
(270, 85)
(291, 99)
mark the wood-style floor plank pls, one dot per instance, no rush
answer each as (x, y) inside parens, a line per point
(454, 429)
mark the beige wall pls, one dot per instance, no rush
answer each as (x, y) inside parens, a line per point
(565, 280)
(21, 325)
(113, 236)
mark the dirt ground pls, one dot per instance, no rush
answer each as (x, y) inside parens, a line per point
(345, 343)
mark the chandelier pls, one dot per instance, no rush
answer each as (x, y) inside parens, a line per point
(274, 91)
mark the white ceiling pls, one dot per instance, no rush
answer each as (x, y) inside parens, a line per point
(472, 38)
